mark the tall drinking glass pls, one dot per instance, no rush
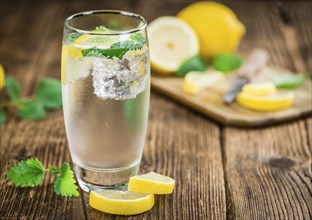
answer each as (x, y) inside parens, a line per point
(106, 89)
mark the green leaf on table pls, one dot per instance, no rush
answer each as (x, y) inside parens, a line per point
(195, 63)
(32, 110)
(13, 88)
(54, 170)
(27, 173)
(289, 81)
(227, 62)
(49, 93)
(2, 117)
(65, 182)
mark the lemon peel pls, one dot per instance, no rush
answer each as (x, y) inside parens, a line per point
(152, 183)
(121, 202)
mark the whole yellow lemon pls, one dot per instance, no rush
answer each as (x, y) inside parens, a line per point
(216, 26)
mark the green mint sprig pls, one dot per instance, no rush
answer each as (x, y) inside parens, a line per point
(118, 49)
(30, 173)
(48, 95)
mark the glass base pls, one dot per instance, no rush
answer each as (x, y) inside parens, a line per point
(95, 179)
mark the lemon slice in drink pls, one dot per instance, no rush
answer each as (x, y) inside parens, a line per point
(262, 89)
(277, 101)
(121, 202)
(74, 65)
(171, 42)
(153, 183)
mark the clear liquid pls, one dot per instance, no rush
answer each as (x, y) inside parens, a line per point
(105, 135)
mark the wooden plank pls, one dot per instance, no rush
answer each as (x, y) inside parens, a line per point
(298, 17)
(272, 167)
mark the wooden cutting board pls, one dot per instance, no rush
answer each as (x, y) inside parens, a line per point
(210, 103)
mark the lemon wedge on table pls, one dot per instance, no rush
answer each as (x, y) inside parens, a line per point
(277, 101)
(152, 183)
(195, 81)
(171, 42)
(261, 89)
(121, 202)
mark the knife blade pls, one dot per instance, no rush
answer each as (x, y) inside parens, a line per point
(256, 59)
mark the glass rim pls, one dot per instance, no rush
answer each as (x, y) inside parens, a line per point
(140, 27)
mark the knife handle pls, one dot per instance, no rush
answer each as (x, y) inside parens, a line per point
(230, 97)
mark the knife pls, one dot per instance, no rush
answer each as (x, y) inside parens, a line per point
(257, 58)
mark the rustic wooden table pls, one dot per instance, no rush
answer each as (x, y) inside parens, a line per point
(221, 172)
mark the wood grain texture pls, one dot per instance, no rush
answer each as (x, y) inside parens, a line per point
(272, 167)
(221, 172)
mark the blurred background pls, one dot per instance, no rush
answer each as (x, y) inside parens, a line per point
(37, 25)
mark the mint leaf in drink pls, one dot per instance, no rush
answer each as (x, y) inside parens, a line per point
(100, 29)
(32, 110)
(128, 44)
(65, 182)
(112, 24)
(138, 37)
(227, 62)
(195, 63)
(72, 37)
(2, 117)
(108, 53)
(13, 88)
(49, 93)
(118, 49)
(27, 173)
(289, 81)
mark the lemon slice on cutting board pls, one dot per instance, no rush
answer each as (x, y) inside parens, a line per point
(171, 42)
(121, 202)
(195, 81)
(277, 101)
(152, 182)
(260, 89)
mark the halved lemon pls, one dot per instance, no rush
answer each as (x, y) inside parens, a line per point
(171, 42)
(277, 101)
(262, 89)
(152, 182)
(121, 202)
